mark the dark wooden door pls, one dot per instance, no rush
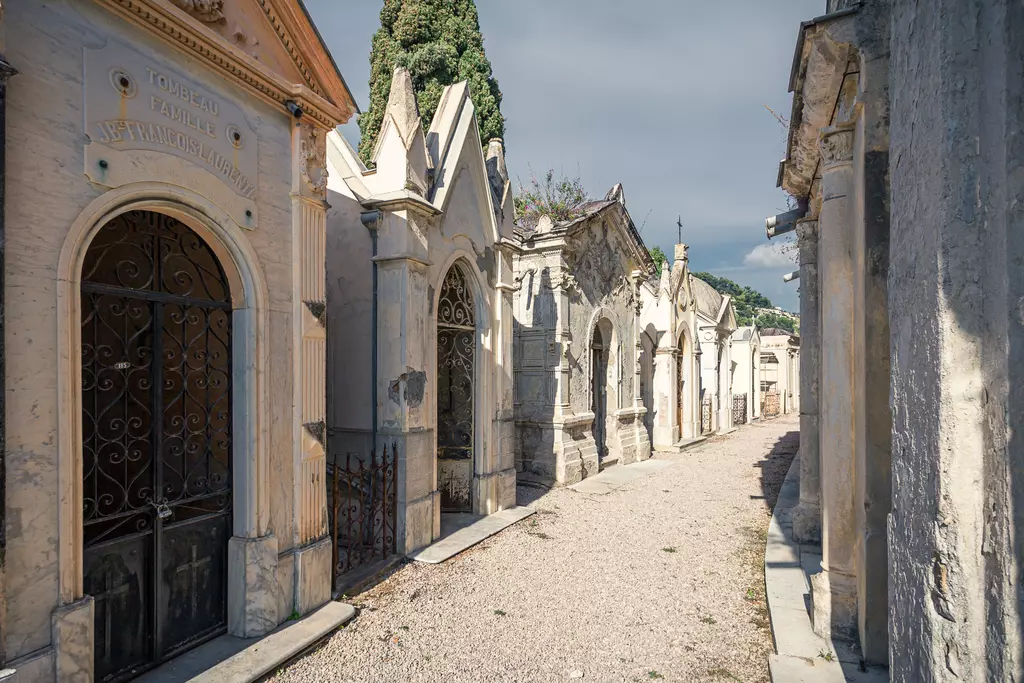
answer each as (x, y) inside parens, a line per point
(599, 393)
(156, 432)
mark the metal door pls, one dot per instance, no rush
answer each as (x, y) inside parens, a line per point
(599, 392)
(156, 441)
(456, 351)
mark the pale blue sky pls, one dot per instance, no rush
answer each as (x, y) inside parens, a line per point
(666, 97)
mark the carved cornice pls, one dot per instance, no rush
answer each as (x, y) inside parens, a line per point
(836, 144)
(175, 26)
(207, 11)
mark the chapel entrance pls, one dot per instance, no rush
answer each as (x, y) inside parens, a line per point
(456, 351)
(156, 441)
(681, 385)
(599, 390)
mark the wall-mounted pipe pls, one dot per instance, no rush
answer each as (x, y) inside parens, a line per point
(785, 222)
(789, 277)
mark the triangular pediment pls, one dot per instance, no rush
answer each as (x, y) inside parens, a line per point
(271, 46)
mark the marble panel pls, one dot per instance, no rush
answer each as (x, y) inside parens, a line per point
(252, 586)
(73, 640)
(313, 575)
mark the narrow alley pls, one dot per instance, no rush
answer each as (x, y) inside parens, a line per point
(661, 579)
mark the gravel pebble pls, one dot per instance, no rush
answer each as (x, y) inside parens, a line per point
(659, 580)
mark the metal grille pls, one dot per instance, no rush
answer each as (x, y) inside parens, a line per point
(156, 441)
(363, 499)
(739, 409)
(705, 415)
(456, 348)
(770, 404)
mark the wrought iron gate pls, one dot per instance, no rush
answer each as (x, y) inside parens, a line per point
(156, 441)
(739, 409)
(456, 348)
(705, 415)
(363, 495)
(770, 404)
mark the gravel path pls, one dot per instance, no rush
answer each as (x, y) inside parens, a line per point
(659, 580)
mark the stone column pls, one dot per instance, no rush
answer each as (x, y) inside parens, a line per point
(835, 589)
(406, 335)
(6, 71)
(807, 515)
(313, 571)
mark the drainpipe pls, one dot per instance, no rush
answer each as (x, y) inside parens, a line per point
(371, 219)
(6, 71)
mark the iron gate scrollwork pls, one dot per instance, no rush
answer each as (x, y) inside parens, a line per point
(739, 409)
(705, 415)
(363, 508)
(456, 348)
(156, 441)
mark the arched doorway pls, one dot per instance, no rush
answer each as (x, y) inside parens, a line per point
(647, 347)
(599, 348)
(456, 352)
(156, 441)
(681, 373)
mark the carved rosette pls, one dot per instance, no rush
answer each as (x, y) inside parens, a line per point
(206, 11)
(836, 145)
(313, 161)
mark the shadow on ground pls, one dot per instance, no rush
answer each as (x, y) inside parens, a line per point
(775, 466)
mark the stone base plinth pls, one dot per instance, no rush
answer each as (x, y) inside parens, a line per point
(834, 606)
(252, 586)
(73, 640)
(806, 519)
(494, 492)
(419, 523)
(313, 574)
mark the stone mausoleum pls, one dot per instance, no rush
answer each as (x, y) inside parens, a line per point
(419, 268)
(164, 225)
(578, 401)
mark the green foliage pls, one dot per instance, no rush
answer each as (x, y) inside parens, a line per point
(775, 320)
(744, 299)
(659, 258)
(439, 41)
(561, 200)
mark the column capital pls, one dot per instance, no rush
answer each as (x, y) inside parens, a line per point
(836, 144)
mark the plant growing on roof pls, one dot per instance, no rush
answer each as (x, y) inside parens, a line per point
(560, 200)
(439, 41)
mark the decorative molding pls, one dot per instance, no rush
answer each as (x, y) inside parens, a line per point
(313, 161)
(836, 145)
(206, 11)
(319, 311)
(300, 63)
(175, 26)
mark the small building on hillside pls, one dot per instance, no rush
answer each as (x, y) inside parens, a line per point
(578, 399)
(746, 370)
(780, 372)
(716, 321)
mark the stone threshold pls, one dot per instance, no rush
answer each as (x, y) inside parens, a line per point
(614, 478)
(462, 530)
(682, 445)
(228, 659)
(802, 656)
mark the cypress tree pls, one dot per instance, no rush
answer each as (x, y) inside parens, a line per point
(439, 41)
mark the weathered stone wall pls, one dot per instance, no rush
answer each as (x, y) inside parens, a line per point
(45, 193)
(956, 284)
(350, 333)
(597, 260)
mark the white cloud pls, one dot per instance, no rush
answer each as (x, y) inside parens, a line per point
(770, 256)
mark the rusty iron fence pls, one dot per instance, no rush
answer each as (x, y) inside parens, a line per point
(705, 415)
(770, 404)
(362, 504)
(739, 409)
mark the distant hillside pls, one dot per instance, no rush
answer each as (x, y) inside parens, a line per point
(747, 301)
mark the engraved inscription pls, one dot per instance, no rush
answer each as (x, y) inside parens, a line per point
(151, 107)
